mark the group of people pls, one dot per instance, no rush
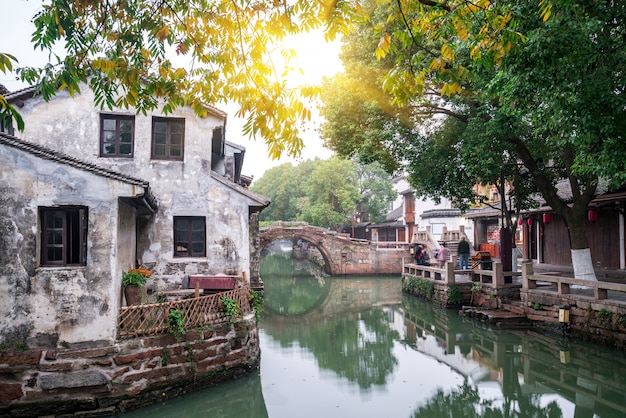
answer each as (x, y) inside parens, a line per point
(423, 258)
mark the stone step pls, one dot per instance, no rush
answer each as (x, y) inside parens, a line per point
(513, 307)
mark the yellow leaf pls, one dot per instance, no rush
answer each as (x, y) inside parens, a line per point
(447, 52)
(161, 35)
(436, 64)
(384, 45)
(180, 73)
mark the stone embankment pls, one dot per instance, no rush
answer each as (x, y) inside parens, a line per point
(104, 380)
(549, 300)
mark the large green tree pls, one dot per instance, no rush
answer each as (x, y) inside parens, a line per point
(325, 192)
(536, 85)
(376, 190)
(286, 186)
(555, 66)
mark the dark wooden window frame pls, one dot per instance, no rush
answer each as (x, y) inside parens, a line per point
(189, 236)
(167, 143)
(118, 134)
(6, 125)
(63, 236)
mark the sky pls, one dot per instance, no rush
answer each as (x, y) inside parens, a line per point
(315, 57)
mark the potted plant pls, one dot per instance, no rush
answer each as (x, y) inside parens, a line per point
(134, 281)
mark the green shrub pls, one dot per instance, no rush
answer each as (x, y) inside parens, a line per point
(176, 324)
(257, 303)
(426, 287)
(454, 295)
(230, 308)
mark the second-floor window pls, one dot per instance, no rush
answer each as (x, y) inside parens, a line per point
(168, 138)
(117, 136)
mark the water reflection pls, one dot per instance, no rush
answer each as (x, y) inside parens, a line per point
(357, 346)
(294, 287)
(239, 398)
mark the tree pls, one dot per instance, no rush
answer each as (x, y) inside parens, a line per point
(508, 74)
(325, 192)
(332, 194)
(276, 184)
(480, 62)
(376, 190)
(141, 54)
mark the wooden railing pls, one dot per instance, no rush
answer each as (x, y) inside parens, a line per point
(493, 278)
(151, 318)
(563, 285)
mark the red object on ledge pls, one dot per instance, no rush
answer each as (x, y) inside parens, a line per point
(547, 218)
(212, 282)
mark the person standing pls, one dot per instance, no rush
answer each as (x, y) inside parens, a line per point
(464, 252)
(442, 255)
(418, 254)
(425, 256)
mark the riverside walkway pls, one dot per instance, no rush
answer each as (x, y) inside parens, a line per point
(596, 310)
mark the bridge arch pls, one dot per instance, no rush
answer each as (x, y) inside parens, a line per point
(295, 231)
(342, 254)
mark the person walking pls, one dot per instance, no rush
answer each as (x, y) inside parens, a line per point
(442, 255)
(464, 252)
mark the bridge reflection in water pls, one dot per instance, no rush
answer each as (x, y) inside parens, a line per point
(357, 346)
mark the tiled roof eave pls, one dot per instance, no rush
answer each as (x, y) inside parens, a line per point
(48, 154)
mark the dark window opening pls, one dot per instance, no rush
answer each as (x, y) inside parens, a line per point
(168, 138)
(63, 236)
(6, 125)
(117, 135)
(189, 236)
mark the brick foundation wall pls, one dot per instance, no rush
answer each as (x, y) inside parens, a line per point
(126, 375)
(603, 322)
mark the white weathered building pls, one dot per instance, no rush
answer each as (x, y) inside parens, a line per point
(86, 194)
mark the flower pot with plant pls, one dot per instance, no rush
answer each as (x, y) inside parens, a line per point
(134, 281)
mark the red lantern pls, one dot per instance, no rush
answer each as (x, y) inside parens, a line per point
(520, 221)
(547, 218)
(530, 221)
(592, 215)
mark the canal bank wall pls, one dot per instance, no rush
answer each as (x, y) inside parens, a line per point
(592, 311)
(104, 380)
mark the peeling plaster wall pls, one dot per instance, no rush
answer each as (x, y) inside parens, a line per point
(56, 306)
(182, 188)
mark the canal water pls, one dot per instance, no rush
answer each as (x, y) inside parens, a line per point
(359, 347)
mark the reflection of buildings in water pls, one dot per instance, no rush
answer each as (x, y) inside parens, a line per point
(525, 364)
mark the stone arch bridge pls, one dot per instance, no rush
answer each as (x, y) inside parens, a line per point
(342, 254)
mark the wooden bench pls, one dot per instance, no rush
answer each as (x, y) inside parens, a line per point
(211, 284)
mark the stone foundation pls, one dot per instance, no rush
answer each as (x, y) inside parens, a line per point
(126, 375)
(439, 294)
(601, 322)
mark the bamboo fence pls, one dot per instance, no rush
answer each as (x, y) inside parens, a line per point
(151, 319)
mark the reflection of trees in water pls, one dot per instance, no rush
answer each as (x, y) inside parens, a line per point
(360, 349)
(465, 402)
(288, 290)
(357, 345)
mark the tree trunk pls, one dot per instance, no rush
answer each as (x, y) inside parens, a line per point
(581, 253)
